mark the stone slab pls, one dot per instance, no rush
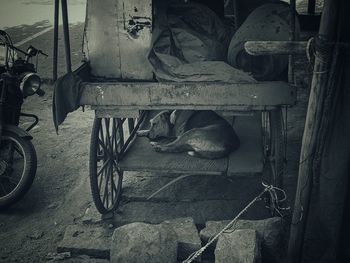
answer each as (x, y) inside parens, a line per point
(188, 240)
(240, 246)
(143, 243)
(86, 240)
(269, 230)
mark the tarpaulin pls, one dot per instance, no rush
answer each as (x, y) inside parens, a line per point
(191, 45)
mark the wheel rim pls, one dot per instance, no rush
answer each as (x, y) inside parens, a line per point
(110, 141)
(12, 165)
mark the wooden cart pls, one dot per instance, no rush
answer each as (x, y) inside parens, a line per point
(121, 108)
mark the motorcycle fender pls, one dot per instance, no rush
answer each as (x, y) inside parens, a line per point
(20, 132)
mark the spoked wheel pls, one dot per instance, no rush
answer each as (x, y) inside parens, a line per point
(17, 168)
(107, 141)
(274, 147)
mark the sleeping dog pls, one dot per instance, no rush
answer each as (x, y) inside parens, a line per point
(203, 134)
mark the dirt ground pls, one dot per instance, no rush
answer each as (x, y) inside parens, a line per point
(60, 193)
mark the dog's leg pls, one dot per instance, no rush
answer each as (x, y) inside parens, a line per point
(205, 142)
(180, 144)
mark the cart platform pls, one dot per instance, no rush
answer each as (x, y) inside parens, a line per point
(247, 160)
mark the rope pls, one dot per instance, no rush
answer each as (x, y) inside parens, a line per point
(267, 188)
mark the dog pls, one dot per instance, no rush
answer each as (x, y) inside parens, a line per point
(202, 134)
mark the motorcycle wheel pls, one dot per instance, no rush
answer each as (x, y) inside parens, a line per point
(18, 165)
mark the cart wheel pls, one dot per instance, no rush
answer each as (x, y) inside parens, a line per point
(107, 140)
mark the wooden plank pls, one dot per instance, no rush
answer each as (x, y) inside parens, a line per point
(145, 95)
(249, 158)
(116, 113)
(101, 43)
(257, 48)
(134, 29)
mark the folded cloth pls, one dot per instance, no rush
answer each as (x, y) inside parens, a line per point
(190, 44)
(66, 95)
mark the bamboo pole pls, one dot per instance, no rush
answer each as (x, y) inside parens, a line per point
(55, 41)
(311, 132)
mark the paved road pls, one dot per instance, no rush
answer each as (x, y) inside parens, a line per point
(28, 12)
(29, 22)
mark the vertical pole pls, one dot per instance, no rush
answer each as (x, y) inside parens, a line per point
(55, 40)
(292, 37)
(311, 132)
(311, 6)
(66, 35)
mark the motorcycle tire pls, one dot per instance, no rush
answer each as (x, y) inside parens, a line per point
(29, 169)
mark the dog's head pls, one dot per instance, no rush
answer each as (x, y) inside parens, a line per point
(160, 126)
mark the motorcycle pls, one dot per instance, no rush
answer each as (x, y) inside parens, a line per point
(18, 80)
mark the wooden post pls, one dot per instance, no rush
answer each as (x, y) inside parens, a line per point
(55, 40)
(66, 35)
(311, 132)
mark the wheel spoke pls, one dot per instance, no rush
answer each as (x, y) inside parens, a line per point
(105, 194)
(117, 168)
(103, 167)
(101, 143)
(114, 188)
(108, 137)
(101, 135)
(121, 134)
(113, 137)
(112, 183)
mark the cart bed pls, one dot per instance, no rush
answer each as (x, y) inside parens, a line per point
(247, 160)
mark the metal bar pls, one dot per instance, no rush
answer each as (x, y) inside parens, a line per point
(311, 6)
(36, 120)
(55, 40)
(66, 35)
(310, 137)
